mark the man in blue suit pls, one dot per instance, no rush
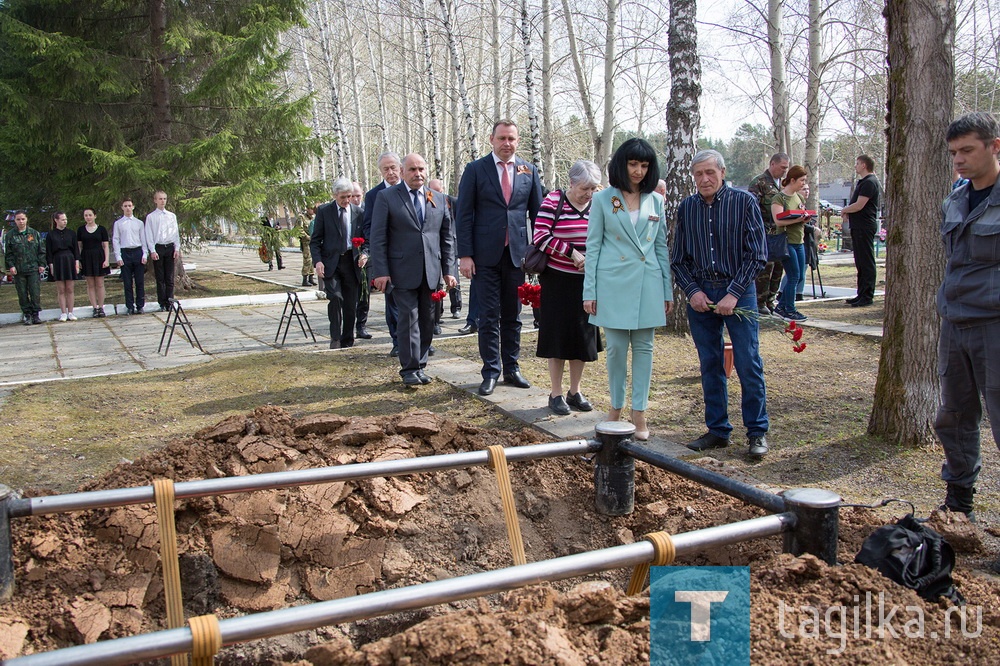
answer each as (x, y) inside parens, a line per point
(391, 169)
(412, 250)
(497, 196)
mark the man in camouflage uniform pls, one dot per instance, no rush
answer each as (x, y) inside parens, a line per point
(764, 187)
(25, 257)
(305, 235)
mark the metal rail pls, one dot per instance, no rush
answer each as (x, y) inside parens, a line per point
(714, 480)
(102, 499)
(301, 618)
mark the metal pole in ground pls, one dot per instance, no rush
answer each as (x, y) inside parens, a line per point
(614, 471)
(818, 514)
(6, 547)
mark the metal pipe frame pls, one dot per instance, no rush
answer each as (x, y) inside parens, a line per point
(103, 499)
(301, 618)
(747, 493)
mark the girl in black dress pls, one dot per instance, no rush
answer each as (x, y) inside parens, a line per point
(92, 241)
(63, 257)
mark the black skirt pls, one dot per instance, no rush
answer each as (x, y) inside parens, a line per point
(63, 266)
(564, 329)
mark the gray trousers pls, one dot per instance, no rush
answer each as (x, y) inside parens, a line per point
(415, 327)
(969, 367)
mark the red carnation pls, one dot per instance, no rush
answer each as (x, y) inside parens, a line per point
(438, 295)
(358, 241)
(799, 348)
(797, 335)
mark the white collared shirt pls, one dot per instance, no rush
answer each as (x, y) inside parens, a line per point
(161, 229)
(128, 232)
(510, 169)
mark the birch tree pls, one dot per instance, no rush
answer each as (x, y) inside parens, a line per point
(683, 119)
(779, 90)
(431, 90)
(529, 84)
(456, 60)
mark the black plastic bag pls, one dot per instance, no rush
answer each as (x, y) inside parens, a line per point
(913, 555)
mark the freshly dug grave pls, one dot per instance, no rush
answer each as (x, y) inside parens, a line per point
(94, 576)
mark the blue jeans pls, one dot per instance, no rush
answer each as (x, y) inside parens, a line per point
(795, 267)
(706, 330)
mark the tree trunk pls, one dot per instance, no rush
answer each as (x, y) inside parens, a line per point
(378, 68)
(921, 89)
(162, 119)
(529, 84)
(683, 118)
(311, 87)
(431, 92)
(338, 120)
(361, 163)
(603, 155)
(813, 118)
(548, 128)
(581, 81)
(470, 126)
(779, 91)
(495, 51)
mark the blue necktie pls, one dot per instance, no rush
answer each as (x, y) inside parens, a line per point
(417, 208)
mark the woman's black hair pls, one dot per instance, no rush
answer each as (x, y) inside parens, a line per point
(634, 149)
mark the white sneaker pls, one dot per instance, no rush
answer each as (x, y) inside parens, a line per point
(71, 316)
(62, 317)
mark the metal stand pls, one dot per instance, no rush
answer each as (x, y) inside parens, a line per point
(614, 470)
(293, 308)
(6, 547)
(817, 525)
(176, 316)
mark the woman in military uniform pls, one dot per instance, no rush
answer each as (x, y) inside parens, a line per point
(25, 263)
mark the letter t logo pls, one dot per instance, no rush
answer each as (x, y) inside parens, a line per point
(701, 615)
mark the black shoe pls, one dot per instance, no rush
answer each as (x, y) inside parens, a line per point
(35, 319)
(26, 321)
(558, 405)
(364, 334)
(305, 281)
(424, 377)
(130, 311)
(431, 351)
(579, 402)
(437, 329)
(100, 312)
(799, 297)
(708, 441)
(139, 311)
(270, 267)
(757, 446)
(395, 351)
(412, 379)
(959, 499)
(849, 301)
(468, 328)
(516, 379)
(486, 388)
(312, 280)
(163, 308)
(334, 344)
(860, 304)
(93, 314)
(534, 324)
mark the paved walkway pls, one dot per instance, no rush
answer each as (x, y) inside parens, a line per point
(235, 325)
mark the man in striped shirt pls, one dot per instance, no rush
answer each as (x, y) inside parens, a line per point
(719, 249)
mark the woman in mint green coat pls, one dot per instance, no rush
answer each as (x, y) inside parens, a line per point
(627, 288)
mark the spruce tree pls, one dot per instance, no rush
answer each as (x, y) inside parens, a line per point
(105, 98)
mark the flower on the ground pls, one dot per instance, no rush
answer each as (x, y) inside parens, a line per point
(357, 241)
(530, 294)
(881, 235)
(438, 295)
(823, 247)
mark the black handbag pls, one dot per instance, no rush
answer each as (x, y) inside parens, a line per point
(536, 260)
(777, 246)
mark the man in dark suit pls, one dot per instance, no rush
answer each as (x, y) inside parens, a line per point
(338, 261)
(412, 252)
(497, 196)
(391, 169)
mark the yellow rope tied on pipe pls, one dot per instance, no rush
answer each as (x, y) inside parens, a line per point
(163, 491)
(663, 554)
(206, 638)
(498, 463)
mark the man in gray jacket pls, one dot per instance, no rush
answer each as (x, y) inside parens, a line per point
(969, 304)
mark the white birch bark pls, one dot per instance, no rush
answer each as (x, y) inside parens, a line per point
(779, 89)
(529, 84)
(470, 126)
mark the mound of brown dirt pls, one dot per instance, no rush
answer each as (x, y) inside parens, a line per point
(94, 576)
